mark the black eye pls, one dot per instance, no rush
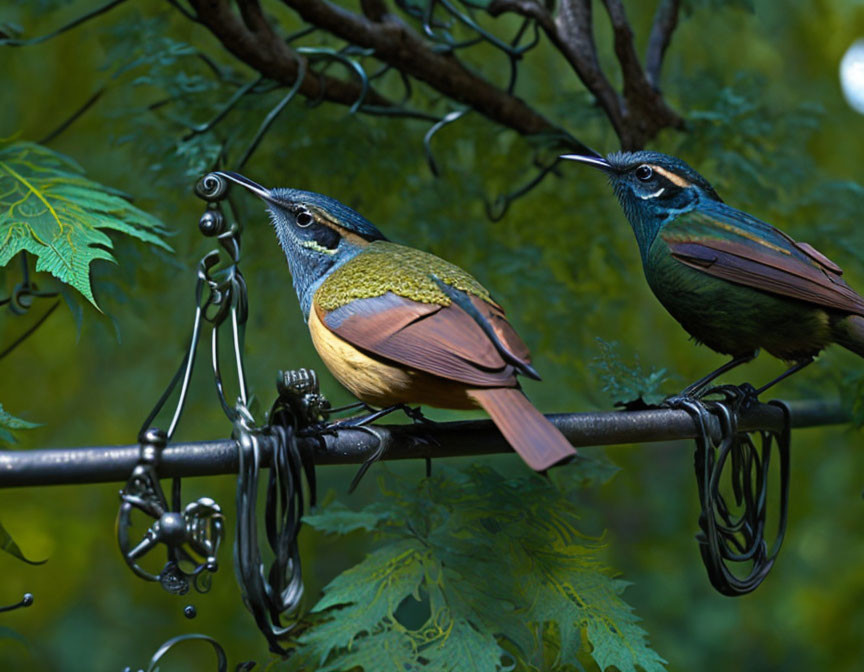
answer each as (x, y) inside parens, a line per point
(644, 173)
(304, 219)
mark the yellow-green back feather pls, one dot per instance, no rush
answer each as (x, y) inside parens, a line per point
(384, 267)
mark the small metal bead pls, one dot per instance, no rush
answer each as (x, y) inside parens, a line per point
(27, 600)
(153, 436)
(189, 611)
(172, 528)
(211, 223)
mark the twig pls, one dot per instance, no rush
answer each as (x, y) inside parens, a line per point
(665, 21)
(91, 101)
(84, 18)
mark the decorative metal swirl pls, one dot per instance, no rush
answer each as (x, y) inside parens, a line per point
(26, 601)
(733, 532)
(212, 187)
(192, 537)
(221, 657)
(193, 534)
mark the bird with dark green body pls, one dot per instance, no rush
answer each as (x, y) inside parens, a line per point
(734, 282)
(396, 325)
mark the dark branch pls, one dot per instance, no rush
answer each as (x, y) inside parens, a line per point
(665, 21)
(638, 112)
(84, 18)
(263, 50)
(625, 50)
(398, 45)
(374, 10)
(77, 114)
(352, 446)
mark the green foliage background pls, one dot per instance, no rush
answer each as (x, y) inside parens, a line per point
(769, 128)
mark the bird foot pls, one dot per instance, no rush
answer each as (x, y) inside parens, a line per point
(745, 396)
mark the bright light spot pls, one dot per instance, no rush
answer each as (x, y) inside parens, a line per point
(852, 75)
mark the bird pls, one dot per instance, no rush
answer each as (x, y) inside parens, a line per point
(735, 283)
(397, 325)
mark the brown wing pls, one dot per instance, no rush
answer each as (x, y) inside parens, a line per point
(767, 259)
(442, 340)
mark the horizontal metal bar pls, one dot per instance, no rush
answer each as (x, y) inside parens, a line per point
(59, 466)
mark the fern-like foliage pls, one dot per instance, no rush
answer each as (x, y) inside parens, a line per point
(48, 208)
(476, 572)
(624, 383)
(9, 423)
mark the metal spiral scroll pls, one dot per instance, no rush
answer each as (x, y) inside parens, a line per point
(276, 593)
(193, 534)
(733, 534)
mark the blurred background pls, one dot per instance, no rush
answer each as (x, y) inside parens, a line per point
(768, 125)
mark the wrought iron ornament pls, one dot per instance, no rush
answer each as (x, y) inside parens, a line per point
(193, 534)
(733, 533)
(192, 537)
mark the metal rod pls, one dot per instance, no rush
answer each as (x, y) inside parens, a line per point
(100, 464)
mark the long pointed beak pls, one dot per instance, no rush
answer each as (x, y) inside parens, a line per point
(597, 162)
(254, 187)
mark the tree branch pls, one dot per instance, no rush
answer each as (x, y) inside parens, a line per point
(665, 22)
(571, 33)
(398, 45)
(625, 50)
(254, 42)
(638, 112)
(374, 10)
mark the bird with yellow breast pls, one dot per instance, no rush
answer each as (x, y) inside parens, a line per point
(396, 325)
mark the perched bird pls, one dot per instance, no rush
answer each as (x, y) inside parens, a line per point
(734, 282)
(396, 325)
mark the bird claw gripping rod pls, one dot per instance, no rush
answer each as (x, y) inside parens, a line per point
(733, 532)
(193, 535)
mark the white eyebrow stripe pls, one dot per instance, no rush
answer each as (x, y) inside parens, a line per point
(654, 195)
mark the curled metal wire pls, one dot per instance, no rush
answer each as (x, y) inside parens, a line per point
(21, 300)
(275, 594)
(221, 657)
(191, 534)
(732, 539)
(271, 593)
(25, 601)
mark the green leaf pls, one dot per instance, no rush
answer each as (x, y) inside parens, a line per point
(368, 596)
(468, 561)
(7, 543)
(339, 519)
(49, 209)
(625, 383)
(9, 423)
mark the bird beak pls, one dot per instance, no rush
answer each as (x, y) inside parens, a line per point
(254, 187)
(596, 161)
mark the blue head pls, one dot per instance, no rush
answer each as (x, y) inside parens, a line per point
(652, 188)
(316, 232)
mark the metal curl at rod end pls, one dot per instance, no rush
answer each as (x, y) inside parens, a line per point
(26, 601)
(212, 187)
(733, 532)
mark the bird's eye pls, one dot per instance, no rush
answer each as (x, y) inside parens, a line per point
(644, 173)
(304, 219)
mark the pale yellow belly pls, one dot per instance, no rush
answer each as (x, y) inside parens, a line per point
(379, 383)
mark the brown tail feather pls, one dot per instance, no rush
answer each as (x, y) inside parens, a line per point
(536, 439)
(849, 332)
